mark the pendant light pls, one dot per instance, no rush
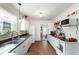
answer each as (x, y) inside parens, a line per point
(19, 13)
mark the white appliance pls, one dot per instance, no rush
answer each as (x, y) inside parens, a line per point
(70, 22)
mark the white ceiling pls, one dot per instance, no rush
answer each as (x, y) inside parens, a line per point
(49, 10)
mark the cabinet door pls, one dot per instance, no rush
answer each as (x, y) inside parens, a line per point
(32, 40)
(20, 50)
(26, 45)
(23, 48)
(29, 42)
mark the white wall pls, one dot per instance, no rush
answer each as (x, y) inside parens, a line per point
(36, 24)
(63, 15)
(23, 24)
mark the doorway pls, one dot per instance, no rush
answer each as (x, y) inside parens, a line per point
(44, 32)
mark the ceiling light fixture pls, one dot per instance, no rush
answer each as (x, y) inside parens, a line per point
(41, 14)
(19, 14)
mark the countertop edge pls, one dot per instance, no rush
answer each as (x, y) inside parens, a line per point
(19, 44)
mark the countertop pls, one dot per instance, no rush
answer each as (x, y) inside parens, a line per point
(64, 40)
(6, 48)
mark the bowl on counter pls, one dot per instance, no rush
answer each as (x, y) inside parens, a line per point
(72, 39)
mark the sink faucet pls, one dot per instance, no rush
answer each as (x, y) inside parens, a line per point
(12, 35)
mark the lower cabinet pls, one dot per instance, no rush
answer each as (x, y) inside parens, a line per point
(20, 50)
(55, 43)
(23, 48)
(64, 47)
(28, 43)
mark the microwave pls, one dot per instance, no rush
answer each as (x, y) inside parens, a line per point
(69, 21)
(66, 21)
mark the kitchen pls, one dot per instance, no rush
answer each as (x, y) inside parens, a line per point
(24, 24)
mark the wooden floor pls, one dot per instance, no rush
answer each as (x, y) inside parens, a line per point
(42, 48)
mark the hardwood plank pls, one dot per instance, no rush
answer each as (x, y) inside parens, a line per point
(42, 48)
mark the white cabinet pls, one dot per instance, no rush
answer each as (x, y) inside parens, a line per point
(55, 43)
(68, 48)
(20, 50)
(28, 43)
(23, 48)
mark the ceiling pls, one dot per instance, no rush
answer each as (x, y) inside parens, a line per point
(42, 10)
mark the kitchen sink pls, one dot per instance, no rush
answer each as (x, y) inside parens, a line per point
(6, 47)
(16, 41)
(12, 42)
